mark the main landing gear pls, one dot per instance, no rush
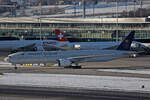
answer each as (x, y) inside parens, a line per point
(74, 66)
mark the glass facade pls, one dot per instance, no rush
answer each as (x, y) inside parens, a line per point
(80, 31)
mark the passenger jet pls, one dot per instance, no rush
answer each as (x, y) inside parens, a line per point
(35, 45)
(73, 57)
(47, 45)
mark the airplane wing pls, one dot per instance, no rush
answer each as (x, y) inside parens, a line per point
(81, 58)
(30, 47)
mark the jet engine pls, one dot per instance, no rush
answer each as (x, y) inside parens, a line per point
(39, 48)
(77, 46)
(64, 63)
(140, 47)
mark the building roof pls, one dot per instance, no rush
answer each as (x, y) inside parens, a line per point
(72, 20)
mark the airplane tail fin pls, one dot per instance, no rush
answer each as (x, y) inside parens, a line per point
(126, 43)
(60, 36)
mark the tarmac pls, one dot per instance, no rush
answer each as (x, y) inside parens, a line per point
(126, 67)
(122, 75)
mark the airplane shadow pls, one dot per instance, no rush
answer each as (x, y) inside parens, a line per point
(122, 68)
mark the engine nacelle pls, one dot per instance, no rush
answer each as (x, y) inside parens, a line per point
(133, 55)
(77, 46)
(64, 63)
(39, 48)
(137, 46)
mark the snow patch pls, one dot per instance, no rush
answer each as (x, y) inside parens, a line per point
(76, 81)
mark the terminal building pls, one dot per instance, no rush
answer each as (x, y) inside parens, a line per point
(75, 29)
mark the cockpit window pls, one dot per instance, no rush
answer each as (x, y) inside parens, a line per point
(22, 54)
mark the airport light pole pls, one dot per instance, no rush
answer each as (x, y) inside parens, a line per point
(127, 8)
(141, 6)
(74, 7)
(93, 9)
(117, 34)
(40, 20)
(84, 9)
(94, 3)
(134, 8)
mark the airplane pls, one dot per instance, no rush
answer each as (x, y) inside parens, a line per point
(73, 57)
(9, 46)
(135, 46)
(62, 43)
(87, 45)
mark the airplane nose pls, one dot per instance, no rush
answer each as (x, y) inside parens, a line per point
(7, 59)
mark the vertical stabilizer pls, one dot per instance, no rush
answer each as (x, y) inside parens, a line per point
(126, 43)
(60, 36)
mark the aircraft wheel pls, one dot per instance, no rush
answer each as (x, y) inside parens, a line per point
(133, 56)
(68, 67)
(76, 67)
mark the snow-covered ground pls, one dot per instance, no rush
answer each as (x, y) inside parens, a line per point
(5, 64)
(76, 81)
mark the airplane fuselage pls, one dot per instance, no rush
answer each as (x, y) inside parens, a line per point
(7, 46)
(54, 56)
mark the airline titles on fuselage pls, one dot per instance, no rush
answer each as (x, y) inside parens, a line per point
(49, 43)
(43, 53)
